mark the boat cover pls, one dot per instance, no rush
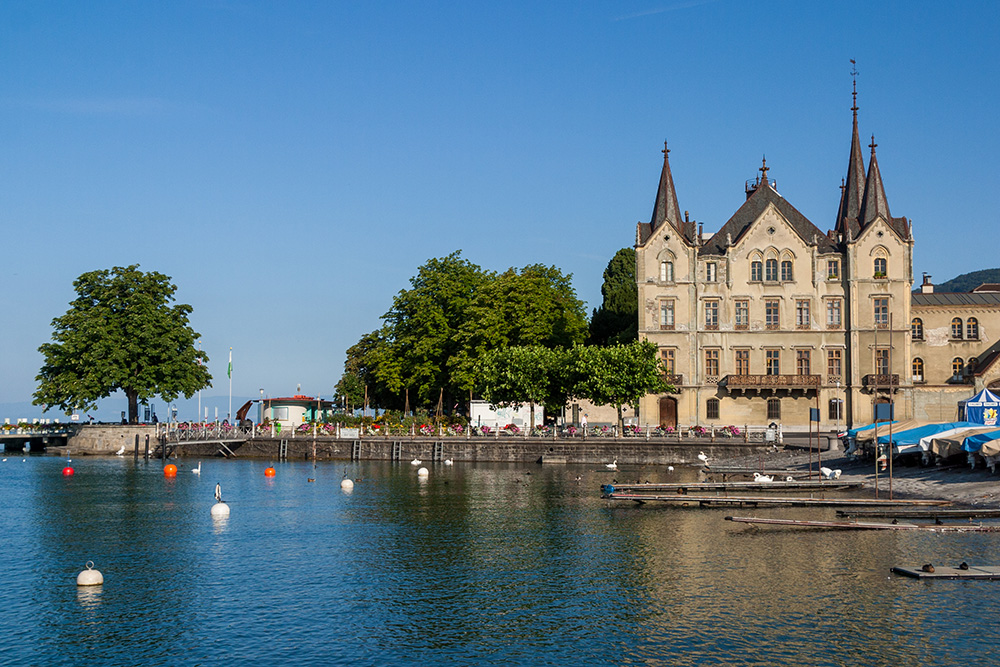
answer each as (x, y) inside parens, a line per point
(946, 446)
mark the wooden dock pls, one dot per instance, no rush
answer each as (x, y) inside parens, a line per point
(749, 470)
(755, 501)
(945, 572)
(867, 525)
(681, 488)
(922, 513)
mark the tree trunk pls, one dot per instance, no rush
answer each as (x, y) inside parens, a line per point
(531, 426)
(133, 406)
(621, 422)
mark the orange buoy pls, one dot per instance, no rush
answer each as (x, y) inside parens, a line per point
(68, 472)
(269, 472)
(170, 470)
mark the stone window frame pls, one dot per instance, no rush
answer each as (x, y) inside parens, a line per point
(834, 305)
(917, 369)
(916, 329)
(712, 408)
(957, 326)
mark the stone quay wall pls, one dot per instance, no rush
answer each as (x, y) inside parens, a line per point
(596, 450)
(102, 439)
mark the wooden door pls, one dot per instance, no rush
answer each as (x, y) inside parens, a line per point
(668, 412)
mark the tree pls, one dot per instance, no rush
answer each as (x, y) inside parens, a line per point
(617, 320)
(524, 374)
(618, 374)
(121, 333)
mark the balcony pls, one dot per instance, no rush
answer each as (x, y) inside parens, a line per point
(881, 380)
(773, 383)
(674, 379)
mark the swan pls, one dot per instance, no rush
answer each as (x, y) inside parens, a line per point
(218, 493)
(121, 451)
(449, 462)
(757, 477)
(829, 473)
(612, 466)
(415, 462)
(197, 470)
(703, 457)
(670, 468)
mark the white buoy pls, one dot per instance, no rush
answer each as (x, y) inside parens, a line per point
(347, 484)
(220, 509)
(423, 472)
(90, 576)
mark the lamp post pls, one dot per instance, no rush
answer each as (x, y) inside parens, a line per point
(840, 407)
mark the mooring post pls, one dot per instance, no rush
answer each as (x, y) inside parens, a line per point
(136, 457)
(147, 448)
(163, 450)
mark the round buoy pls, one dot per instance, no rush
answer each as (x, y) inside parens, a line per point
(170, 470)
(422, 472)
(90, 576)
(220, 509)
(269, 472)
(68, 472)
(347, 484)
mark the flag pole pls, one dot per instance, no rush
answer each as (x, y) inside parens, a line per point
(229, 417)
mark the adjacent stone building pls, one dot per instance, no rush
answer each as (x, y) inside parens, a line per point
(771, 317)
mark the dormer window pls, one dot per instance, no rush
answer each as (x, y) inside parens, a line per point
(832, 269)
(880, 267)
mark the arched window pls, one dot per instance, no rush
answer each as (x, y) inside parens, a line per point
(786, 270)
(756, 274)
(956, 328)
(917, 328)
(972, 328)
(771, 270)
(666, 271)
(712, 408)
(970, 365)
(880, 267)
(918, 369)
(957, 366)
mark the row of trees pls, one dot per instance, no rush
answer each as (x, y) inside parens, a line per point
(511, 337)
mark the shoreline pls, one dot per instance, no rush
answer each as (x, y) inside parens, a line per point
(955, 483)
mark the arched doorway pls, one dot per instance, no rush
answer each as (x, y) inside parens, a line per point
(668, 412)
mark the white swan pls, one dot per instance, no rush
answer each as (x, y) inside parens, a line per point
(828, 473)
(218, 493)
(670, 468)
(121, 451)
(448, 462)
(197, 470)
(703, 457)
(757, 477)
(415, 462)
(612, 466)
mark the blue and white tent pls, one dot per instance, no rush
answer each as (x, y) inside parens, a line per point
(983, 408)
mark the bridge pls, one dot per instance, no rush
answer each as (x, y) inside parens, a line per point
(34, 437)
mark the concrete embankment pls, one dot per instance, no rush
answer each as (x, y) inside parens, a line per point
(512, 449)
(97, 439)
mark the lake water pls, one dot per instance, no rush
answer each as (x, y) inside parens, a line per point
(479, 564)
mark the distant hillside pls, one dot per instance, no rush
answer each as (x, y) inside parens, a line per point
(969, 281)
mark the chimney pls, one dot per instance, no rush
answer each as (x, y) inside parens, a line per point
(927, 287)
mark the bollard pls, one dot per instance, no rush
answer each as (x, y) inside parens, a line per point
(147, 448)
(136, 455)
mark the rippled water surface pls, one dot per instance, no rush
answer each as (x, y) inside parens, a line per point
(479, 564)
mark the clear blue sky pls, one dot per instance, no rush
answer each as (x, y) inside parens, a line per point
(290, 165)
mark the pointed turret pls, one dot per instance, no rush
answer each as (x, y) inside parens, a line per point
(874, 204)
(666, 209)
(853, 188)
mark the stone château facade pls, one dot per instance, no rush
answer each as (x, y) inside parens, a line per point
(770, 316)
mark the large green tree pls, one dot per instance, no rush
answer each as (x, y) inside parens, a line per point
(121, 333)
(617, 320)
(530, 374)
(452, 314)
(617, 374)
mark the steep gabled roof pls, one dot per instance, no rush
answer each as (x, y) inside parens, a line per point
(752, 209)
(875, 204)
(666, 210)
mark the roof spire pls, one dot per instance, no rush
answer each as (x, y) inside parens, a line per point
(875, 203)
(764, 169)
(853, 188)
(666, 208)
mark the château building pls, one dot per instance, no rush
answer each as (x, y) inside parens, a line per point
(771, 316)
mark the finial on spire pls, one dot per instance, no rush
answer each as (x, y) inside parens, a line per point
(665, 150)
(854, 76)
(764, 169)
(843, 185)
(872, 145)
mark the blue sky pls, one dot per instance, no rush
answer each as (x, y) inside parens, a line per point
(290, 165)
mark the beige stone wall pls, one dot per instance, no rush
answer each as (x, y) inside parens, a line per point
(108, 439)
